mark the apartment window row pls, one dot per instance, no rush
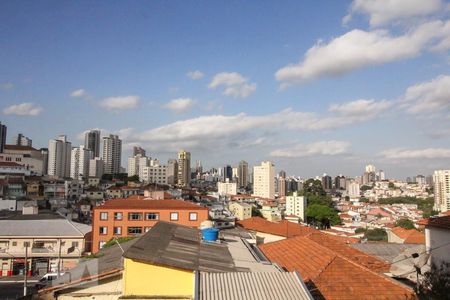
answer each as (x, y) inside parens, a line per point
(137, 216)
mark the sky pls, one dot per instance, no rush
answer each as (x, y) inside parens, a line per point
(314, 86)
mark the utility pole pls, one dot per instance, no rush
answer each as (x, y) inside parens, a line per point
(25, 273)
(59, 259)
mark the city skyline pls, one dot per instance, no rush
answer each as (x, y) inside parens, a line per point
(238, 83)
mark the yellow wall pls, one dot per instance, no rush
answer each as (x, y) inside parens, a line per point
(147, 279)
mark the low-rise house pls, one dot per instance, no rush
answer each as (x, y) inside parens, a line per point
(52, 242)
(172, 261)
(401, 235)
(128, 217)
(114, 192)
(241, 211)
(271, 212)
(437, 238)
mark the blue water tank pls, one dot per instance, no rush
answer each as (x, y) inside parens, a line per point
(210, 234)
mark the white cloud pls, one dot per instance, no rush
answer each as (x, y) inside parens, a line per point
(428, 153)
(314, 149)
(120, 102)
(367, 108)
(430, 96)
(195, 75)
(357, 49)
(180, 105)
(381, 12)
(6, 86)
(23, 109)
(234, 83)
(78, 93)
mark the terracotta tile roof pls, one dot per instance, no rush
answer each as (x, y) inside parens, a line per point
(441, 222)
(409, 236)
(339, 245)
(149, 204)
(331, 275)
(9, 164)
(283, 228)
(18, 147)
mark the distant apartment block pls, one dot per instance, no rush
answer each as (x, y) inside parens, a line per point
(184, 168)
(59, 152)
(92, 142)
(226, 188)
(264, 180)
(79, 162)
(296, 205)
(441, 179)
(112, 153)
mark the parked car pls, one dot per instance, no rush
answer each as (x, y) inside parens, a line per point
(46, 280)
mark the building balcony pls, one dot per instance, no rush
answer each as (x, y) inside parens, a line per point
(42, 250)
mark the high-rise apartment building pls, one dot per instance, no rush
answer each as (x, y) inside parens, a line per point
(339, 182)
(227, 173)
(327, 182)
(21, 140)
(184, 168)
(242, 174)
(281, 184)
(3, 130)
(172, 171)
(96, 167)
(370, 169)
(137, 150)
(264, 180)
(112, 153)
(441, 179)
(59, 151)
(92, 142)
(44, 153)
(79, 162)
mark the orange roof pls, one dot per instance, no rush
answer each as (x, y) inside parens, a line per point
(149, 204)
(441, 222)
(409, 236)
(332, 275)
(283, 228)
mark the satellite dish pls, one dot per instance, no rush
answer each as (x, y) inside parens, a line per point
(409, 261)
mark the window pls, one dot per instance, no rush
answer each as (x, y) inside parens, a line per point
(118, 216)
(101, 244)
(173, 216)
(118, 230)
(103, 230)
(14, 244)
(75, 244)
(134, 216)
(152, 216)
(134, 230)
(193, 216)
(103, 216)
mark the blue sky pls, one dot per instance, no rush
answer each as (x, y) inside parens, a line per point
(315, 86)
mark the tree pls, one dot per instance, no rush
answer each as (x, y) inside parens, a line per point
(134, 178)
(365, 188)
(436, 283)
(391, 185)
(322, 214)
(377, 234)
(405, 223)
(256, 212)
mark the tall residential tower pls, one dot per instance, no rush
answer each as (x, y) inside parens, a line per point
(112, 153)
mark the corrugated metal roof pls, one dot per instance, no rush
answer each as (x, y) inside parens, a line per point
(173, 245)
(42, 227)
(252, 286)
